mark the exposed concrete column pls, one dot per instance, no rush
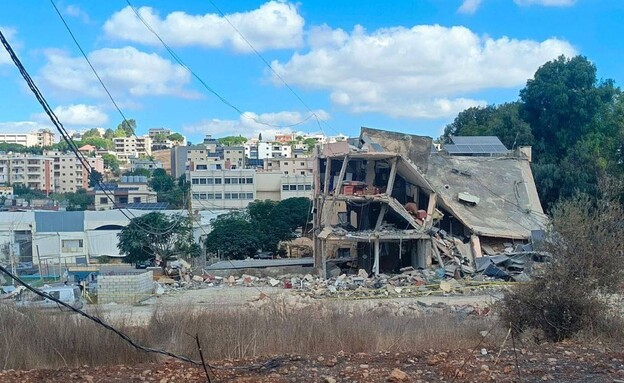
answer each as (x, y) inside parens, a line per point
(389, 188)
(343, 171)
(327, 173)
(393, 171)
(376, 261)
(433, 200)
(370, 172)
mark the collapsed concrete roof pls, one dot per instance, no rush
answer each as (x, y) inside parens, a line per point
(416, 148)
(508, 204)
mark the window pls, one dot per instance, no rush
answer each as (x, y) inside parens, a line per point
(195, 181)
(284, 187)
(235, 180)
(249, 195)
(299, 187)
(308, 187)
(228, 196)
(202, 167)
(234, 195)
(227, 181)
(302, 163)
(293, 187)
(302, 173)
(104, 200)
(249, 180)
(195, 196)
(285, 162)
(210, 196)
(218, 196)
(136, 199)
(217, 181)
(202, 181)
(202, 196)
(71, 245)
(286, 172)
(210, 181)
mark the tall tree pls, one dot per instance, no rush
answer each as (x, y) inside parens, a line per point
(95, 178)
(155, 235)
(126, 128)
(92, 133)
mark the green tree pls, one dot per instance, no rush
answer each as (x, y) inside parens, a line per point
(126, 128)
(233, 236)
(79, 200)
(98, 142)
(160, 137)
(109, 134)
(176, 137)
(155, 235)
(232, 140)
(92, 133)
(95, 178)
(169, 189)
(310, 143)
(111, 162)
(138, 172)
(502, 121)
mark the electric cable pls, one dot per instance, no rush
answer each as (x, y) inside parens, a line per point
(203, 83)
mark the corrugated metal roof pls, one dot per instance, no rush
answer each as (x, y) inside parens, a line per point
(59, 221)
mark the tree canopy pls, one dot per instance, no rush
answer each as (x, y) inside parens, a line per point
(574, 122)
(262, 226)
(232, 140)
(168, 190)
(156, 235)
(126, 128)
(177, 137)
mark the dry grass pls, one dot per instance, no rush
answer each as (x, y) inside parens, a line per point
(30, 339)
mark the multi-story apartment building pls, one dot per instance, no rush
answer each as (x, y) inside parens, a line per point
(222, 189)
(42, 137)
(132, 147)
(264, 150)
(30, 170)
(290, 166)
(234, 156)
(158, 143)
(69, 172)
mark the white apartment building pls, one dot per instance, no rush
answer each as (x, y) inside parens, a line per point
(290, 166)
(222, 189)
(132, 147)
(42, 137)
(264, 150)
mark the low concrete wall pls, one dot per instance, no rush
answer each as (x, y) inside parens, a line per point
(125, 287)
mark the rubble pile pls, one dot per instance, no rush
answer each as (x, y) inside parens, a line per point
(410, 282)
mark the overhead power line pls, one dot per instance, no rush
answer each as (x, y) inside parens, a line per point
(64, 134)
(205, 85)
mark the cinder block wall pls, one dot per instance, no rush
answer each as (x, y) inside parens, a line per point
(124, 288)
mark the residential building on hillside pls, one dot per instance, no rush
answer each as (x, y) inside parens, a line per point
(234, 156)
(290, 166)
(222, 189)
(159, 143)
(41, 138)
(34, 171)
(141, 163)
(284, 137)
(69, 172)
(132, 190)
(132, 147)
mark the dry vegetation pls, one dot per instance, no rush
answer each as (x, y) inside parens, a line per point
(43, 340)
(576, 291)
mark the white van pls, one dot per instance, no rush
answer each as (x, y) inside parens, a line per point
(67, 294)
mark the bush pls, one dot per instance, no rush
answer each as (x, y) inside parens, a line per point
(569, 294)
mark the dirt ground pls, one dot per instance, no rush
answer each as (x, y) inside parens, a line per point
(562, 363)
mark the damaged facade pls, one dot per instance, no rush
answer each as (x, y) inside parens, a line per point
(387, 202)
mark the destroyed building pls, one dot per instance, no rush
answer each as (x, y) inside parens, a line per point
(387, 201)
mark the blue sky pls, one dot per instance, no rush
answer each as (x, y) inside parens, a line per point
(409, 66)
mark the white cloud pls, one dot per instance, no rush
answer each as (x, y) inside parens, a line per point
(426, 71)
(77, 12)
(274, 25)
(469, 7)
(9, 33)
(23, 126)
(251, 124)
(546, 3)
(125, 71)
(77, 115)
